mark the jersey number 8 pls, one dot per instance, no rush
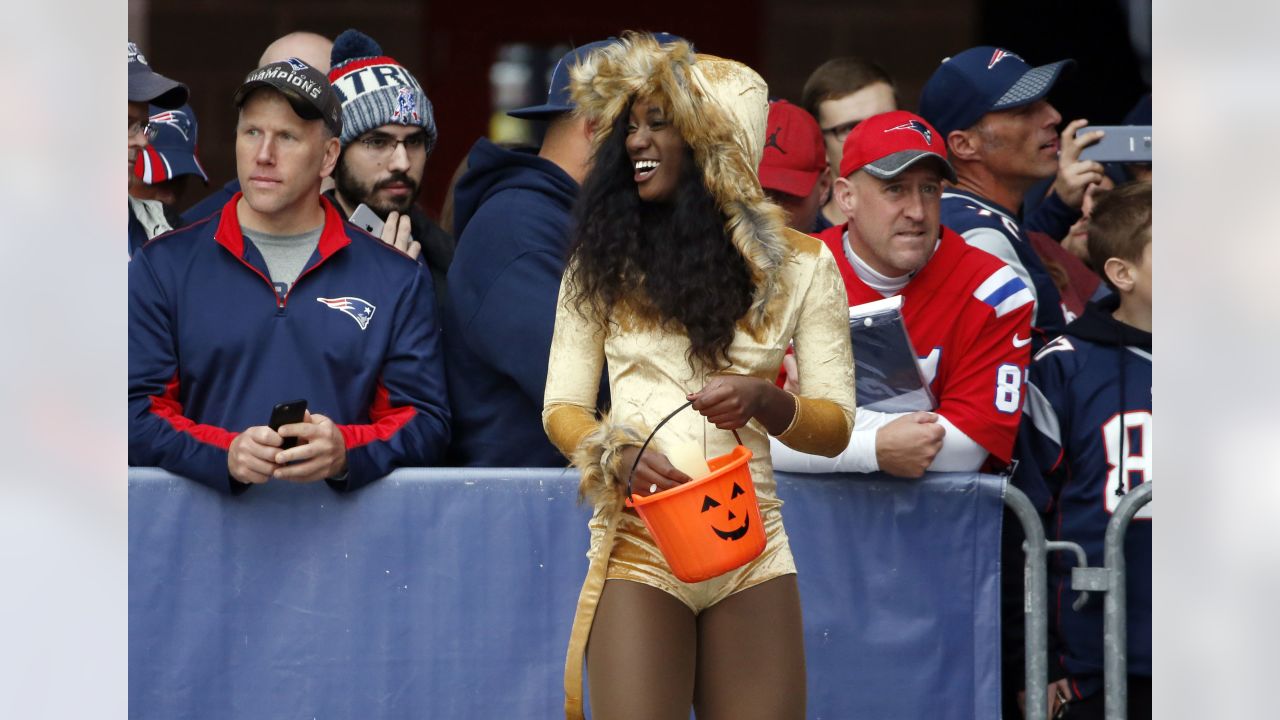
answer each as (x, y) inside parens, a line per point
(1009, 378)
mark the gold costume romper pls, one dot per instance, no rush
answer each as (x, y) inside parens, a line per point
(719, 106)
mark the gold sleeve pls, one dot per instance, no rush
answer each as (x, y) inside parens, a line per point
(824, 361)
(569, 401)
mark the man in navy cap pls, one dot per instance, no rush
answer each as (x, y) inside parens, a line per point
(146, 86)
(1001, 133)
(512, 219)
(164, 168)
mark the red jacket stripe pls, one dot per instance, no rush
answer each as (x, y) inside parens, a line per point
(168, 408)
(386, 421)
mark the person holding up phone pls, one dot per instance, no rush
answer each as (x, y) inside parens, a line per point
(274, 297)
(388, 132)
(992, 111)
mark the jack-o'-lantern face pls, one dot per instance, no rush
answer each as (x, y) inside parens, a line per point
(737, 533)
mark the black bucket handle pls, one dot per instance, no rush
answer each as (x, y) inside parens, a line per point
(649, 439)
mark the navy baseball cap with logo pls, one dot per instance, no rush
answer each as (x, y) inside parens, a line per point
(980, 80)
(173, 151)
(558, 100)
(306, 88)
(148, 86)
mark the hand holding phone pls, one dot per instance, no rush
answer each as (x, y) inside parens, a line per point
(1121, 143)
(366, 219)
(288, 413)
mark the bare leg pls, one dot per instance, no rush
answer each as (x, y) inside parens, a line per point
(640, 654)
(751, 655)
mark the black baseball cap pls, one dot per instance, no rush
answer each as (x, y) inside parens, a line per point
(148, 86)
(306, 88)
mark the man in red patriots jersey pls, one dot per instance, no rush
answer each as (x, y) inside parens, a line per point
(968, 313)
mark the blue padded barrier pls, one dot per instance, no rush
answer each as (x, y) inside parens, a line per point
(449, 593)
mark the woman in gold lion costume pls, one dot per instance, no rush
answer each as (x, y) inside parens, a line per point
(683, 277)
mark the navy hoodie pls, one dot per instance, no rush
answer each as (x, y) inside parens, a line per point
(512, 217)
(1077, 464)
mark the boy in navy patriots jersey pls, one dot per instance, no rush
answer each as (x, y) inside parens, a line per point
(1086, 442)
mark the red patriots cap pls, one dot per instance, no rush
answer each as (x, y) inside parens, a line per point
(886, 144)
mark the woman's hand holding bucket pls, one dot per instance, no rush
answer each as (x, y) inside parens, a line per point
(655, 472)
(730, 401)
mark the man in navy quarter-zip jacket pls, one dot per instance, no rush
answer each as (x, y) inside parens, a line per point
(276, 298)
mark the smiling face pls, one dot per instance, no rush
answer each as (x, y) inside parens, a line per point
(737, 533)
(893, 223)
(656, 150)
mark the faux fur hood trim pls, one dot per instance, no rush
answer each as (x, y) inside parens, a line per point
(721, 109)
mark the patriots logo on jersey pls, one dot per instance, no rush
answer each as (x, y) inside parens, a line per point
(406, 106)
(999, 55)
(359, 310)
(296, 64)
(918, 127)
(176, 119)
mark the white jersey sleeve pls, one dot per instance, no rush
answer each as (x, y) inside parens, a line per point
(997, 243)
(959, 452)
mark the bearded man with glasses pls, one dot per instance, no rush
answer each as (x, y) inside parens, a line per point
(389, 132)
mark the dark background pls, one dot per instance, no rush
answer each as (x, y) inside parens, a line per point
(451, 46)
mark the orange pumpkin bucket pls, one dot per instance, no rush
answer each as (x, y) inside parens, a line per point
(705, 527)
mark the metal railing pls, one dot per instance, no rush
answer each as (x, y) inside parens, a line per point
(1109, 579)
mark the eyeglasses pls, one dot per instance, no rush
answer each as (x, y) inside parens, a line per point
(382, 146)
(143, 126)
(841, 131)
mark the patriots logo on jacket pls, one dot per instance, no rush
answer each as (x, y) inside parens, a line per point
(359, 310)
(406, 106)
(999, 55)
(918, 127)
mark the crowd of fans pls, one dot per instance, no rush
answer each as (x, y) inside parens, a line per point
(1025, 274)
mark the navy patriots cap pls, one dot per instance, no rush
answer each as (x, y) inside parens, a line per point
(558, 99)
(981, 80)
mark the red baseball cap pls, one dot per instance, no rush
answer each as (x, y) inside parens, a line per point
(793, 153)
(886, 144)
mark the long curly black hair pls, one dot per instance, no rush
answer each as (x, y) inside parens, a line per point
(670, 261)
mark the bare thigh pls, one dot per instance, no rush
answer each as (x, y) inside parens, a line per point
(751, 655)
(640, 654)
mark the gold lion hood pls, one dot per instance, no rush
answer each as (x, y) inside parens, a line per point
(721, 109)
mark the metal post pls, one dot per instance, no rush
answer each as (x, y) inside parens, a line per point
(1035, 607)
(1115, 629)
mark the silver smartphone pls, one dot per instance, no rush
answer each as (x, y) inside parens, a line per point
(1122, 143)
(367, 220)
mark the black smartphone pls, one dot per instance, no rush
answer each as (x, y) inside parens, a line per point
(287, 413)
(1122, 143)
